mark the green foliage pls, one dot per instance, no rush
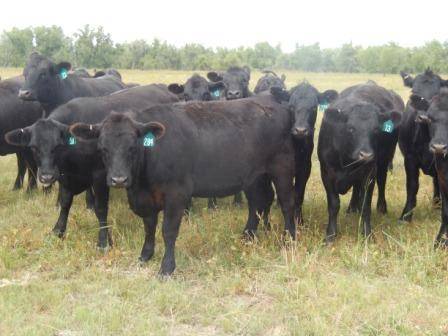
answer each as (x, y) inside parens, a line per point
(94, 48)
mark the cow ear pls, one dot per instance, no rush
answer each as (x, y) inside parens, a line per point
(176, 88)
(419, 103)
(85, 131)
(62, 67)
(214, 76)
(280, 94)
(99, 73)
(247, 70)
(156, 128)
(407, 79)
(394, 116)
(328, 96)
(335, 115)
(19, 137)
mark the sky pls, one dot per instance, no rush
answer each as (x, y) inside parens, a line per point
(233, 23)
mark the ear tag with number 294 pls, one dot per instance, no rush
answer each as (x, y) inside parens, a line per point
(149, 140)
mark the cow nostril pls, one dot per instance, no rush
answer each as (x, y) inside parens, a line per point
(46, 178)
(117, 180)
(301, 131)
(365, 156)
(439, 148)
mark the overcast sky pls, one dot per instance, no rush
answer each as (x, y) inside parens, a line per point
(234, 23)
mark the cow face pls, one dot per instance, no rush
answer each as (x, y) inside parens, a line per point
(438, 124)
(46, 138)
(42, 78)
(236, 82)
(268, 81)
(122, 143)
(303, 101)
(356, 130)
(197, 88)
(425, 85)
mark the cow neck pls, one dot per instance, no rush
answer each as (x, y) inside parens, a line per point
(60, 97)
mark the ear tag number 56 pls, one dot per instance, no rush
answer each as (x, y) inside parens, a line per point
(149, 140)
(388, 126)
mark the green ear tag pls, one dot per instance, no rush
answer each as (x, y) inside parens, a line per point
(388, 126)
(71, 140)
(149, 140)
(63, 73)
(323, 106)
(216, 93)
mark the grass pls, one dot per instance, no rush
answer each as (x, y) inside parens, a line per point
(394, 285)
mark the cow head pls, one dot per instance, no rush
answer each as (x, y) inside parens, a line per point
(122, 143)
(42, 78)
(357, 128)
(268, 81)
(236, 82)
(425, 85)
(197, 88)
(46, 138)
(303, 101)
(438, 124)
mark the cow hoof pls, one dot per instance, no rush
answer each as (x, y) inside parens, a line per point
(249, 235)
(329, 240)
(352, 210)
(58, 233)
(436, 203)
(145, 257)
(441, 243)
(382, 209)
(103, 249)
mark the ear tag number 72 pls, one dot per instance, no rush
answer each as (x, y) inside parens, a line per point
(388, 126)
(149, 140)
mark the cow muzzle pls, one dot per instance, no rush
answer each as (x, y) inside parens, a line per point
(233, 95)
(119, 181)
(300, 132)
(47, 179)
(365, 156)
(26, 95)
(439, 149)
(422, 119)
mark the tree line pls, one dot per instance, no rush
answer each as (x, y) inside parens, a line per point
(92, 47)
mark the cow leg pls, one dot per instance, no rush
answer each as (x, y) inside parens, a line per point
(238, 199)
(436, 191)
(90, 199)
(356, 199)
(412, 185)
(150, 223)
(212, 203)
(172, 216)
(284, 186)
(367, 193)
(302, 172)
(381, 178)
(21, 170)
(442, 236)
(260, 196)
(101, 205)
(333, 204)
(32, 171)
(66, 203)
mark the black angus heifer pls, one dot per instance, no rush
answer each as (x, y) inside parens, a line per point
(437, 117)
(15, 113)
(414, 137)
(269, 80)
(197, 88)
(77, 166)
(386, 101)
(167, 154)
(236, 85)
(51, 84)
(348, 149)
(303, 101)
(235, 80)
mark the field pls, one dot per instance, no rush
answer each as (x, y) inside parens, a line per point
(396, 284)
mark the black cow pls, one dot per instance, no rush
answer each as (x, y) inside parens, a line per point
(414, 137)
(303, 101)
(77, 166)
(269, 80)
(437, 122)
(15, 113)
(51, 84)
(358, 135)
(81, 72)
(197, 88)
(235, 80)
(167, 154)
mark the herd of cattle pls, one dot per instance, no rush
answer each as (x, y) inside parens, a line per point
(214, 138)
